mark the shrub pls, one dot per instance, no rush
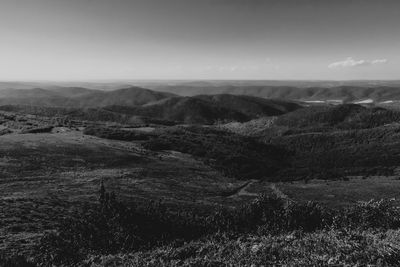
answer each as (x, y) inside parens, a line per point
(112, 227)
(15, 261)
(371, 214)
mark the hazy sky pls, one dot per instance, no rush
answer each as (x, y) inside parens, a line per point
(199, 39)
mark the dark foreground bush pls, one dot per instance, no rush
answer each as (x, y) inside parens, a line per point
(113, 227)
(369, 215)
(15, 261)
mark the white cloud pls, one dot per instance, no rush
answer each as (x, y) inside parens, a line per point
(378, 61)
(350, 62)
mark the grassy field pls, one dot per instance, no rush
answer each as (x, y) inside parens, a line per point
(334, 193)
(44, 177)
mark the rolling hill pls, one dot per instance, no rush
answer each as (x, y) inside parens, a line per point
(348, 116)
(209, 109)
(36, 96)
(135, 104)
(242, 104)
(77, 97)
(71, 91)
(184, 110)
(251, 106)
(329, 142)
(131, 96)
(344, 93)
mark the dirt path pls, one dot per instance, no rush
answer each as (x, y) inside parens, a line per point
(242, 190)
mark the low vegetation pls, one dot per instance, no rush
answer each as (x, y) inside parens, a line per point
(349, 116)
(320, 248)
(265, 231)
(235, 155)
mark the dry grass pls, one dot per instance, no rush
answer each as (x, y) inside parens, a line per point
(322, 248)
(44, 177)
(343, 193)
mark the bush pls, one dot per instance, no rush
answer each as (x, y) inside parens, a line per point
(112, 227)
(15, 261)
(372, 214)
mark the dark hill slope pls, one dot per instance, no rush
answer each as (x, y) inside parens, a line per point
(345, 93)
(347, 116)
(251, 106)
(209, 109)
(36, 97)
(131, 96)
(84, 114)
(185, 110)
(72, 91)
(334, 154)
(22, 93)
(235, 155)
(78, 97)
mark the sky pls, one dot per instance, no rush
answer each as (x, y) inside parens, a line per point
(199, 39)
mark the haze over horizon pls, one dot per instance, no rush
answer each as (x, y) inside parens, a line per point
(195, 40)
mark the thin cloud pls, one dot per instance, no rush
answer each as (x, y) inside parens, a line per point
(231, 68)
(350, 62)
(379, 61)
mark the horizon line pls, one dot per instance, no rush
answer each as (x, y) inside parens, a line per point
(222, 80)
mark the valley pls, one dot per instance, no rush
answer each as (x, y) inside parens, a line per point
(205, 158)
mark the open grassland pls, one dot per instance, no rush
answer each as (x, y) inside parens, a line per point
(45, 177)
(48, 176)
(334, 193)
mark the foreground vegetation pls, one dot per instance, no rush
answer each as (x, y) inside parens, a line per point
(266, 231)
(320, 248)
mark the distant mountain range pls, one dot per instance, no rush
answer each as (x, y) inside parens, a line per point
(196, 102)
(160, 85)
(342, 94)
(133, 103)
(363, 92)
(80, 97)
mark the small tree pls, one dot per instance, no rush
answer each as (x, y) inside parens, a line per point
(102, 193)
